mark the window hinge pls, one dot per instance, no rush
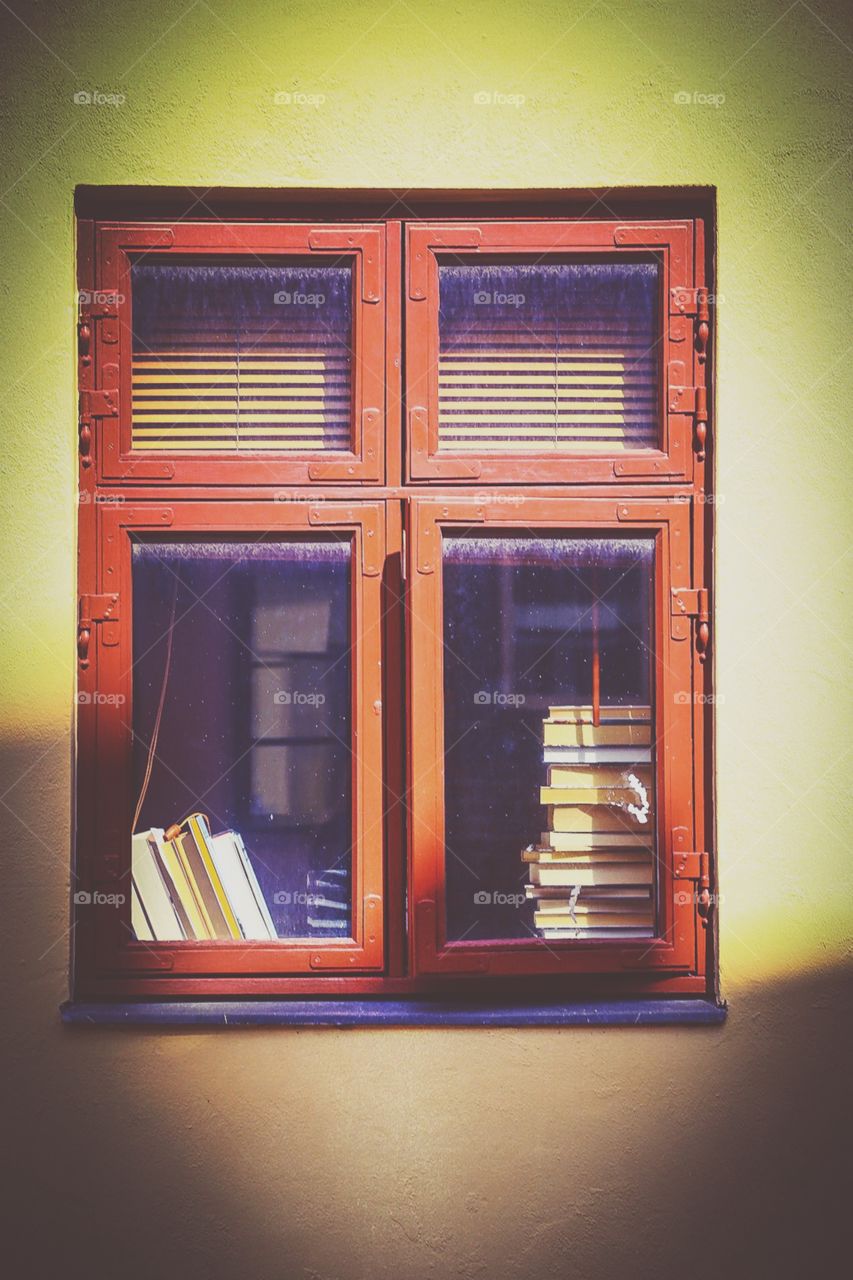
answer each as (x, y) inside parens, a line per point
(696, 866)
(94, 403)
(692, 400)
(689, 302)
(403, 555)
(92, 609)
(692, 602)
(100, 305)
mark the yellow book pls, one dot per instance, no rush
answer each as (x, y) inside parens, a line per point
(588, 795)
(215, 898)
(591, 817)
(173, 857)
(584, 858)
(597, 775)
(584, 715)
(616, 873)
(607, 897)
(610, 906)
(555, 920)
(580, 841)
(559, 734)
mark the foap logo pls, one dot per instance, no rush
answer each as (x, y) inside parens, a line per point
(686, 98)
(488, 298)
(99, 699)
(683, 897)
(495, 98)
(682, 698)
(287, 299)
(682, 298)
(83, 898)
(497, 698)
(487, 898)
(97, 98)
(86, 499)
(295, 98)
(99, 298)
(500, 499)
(298, 698)
(283, 898)
(287, 495)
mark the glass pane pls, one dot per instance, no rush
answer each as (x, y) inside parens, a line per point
(242, 719)
(549, 757)
(548, 356)
(241, 356)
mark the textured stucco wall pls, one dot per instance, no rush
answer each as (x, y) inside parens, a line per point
(433, 1153)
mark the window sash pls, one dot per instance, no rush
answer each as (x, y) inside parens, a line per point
(107, 310)
(433, 458)
(105, 746)
(674, 947)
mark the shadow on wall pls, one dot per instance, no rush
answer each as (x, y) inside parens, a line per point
(528, 1154)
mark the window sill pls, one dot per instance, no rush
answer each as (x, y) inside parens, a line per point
(392, 1013)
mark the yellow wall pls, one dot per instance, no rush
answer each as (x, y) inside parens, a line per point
(469, 1153)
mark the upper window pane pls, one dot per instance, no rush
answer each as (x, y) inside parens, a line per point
(241, 356)
(548, 356)
(549, 755)
(242, 740)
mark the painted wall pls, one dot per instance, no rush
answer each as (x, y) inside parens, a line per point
(467, 1153)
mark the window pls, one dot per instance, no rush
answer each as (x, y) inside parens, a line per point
(393, 622)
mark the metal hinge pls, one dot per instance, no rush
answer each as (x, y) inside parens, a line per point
(689, 302)
(92, 609)
(692, 602)
(696, 866)
(692, 399)
(100, 305)
(94, 403)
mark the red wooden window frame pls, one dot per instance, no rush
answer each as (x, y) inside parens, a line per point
(105, 738)
(676, 946)
(106, 314)
(391, 496)
(673, 244)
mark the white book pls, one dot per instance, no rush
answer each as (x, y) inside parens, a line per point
(240, 883)
(138, 918)
(558, 935)
(597, 755)
(314, 923)
(154, 897)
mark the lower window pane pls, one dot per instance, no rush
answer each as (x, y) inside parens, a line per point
(549, 742)
(242, 738)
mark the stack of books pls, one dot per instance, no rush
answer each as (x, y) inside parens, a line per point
(188, 884)
(329, 902)
(592, 874)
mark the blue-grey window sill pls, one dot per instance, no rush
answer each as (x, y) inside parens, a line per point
(392, 1013)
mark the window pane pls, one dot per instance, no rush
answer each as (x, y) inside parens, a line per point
(549, 757)
(241, 356)
(246, 645)
(548, 356)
